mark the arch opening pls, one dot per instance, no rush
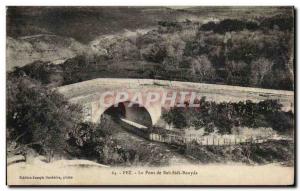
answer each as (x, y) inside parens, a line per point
(132, 112)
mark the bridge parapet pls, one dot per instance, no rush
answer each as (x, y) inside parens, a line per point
(131, 83)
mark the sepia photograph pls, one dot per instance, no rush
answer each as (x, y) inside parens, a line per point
(150, 95)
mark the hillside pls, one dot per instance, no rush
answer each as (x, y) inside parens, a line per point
(198, 44)
(25, 50)
(76, 21)
(95, 21)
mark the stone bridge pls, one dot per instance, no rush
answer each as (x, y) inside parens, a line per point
(88, 94)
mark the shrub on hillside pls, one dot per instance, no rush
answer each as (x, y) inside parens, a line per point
(44, 72)
(95, 142)
(229, 25)
(176, 117)
(279, 22)
(37, 116)
(154, 52)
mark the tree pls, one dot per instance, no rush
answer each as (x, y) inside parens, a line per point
(176, 116)
(228, 25)
(282, 122)
(259, 69)
(38, 116)
(94, 142)
(202, 68)
(154, 52)
(237, 73)
(45, 72)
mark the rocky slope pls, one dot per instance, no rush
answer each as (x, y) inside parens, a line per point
(25, 50)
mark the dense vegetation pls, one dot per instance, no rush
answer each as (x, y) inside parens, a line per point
(43, 120)
(223, 117)
(37, 116)
(95, 142)
(256, 53)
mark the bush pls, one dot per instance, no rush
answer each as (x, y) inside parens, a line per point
(229, 25)
(154, 52)
(38, 116)
(282, 122)
(44, 72)
(176, 117)
(86, 139)
(95, 142)
(169, 26)
(280, 22)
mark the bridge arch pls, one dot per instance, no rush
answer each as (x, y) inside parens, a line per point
(136, 113)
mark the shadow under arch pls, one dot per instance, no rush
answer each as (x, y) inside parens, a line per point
(135, 113)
